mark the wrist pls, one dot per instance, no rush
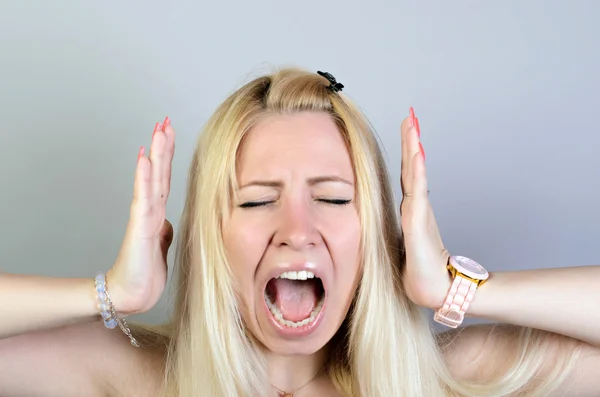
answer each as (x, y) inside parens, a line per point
(443, 289)
(431, 292)
(85, 288)
(118, 295)
(467, 276)
(111, 317)
(482, 305)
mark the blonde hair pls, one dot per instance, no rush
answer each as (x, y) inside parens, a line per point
(385, 347)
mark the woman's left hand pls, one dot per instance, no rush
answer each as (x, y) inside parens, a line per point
(426, 279)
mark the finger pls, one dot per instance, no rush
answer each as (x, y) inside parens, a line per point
(412, 148)
(168, 159)
(420, 192)
(157, 151)
(417, 203)
(141, 188)
(406, 124)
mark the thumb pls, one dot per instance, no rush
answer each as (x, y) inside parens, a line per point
(166, 238)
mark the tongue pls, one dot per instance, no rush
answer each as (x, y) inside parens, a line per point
(295, 299)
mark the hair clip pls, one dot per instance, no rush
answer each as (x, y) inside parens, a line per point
(334, 85)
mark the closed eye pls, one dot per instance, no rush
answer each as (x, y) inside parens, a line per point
(335, 201)
(254, 204)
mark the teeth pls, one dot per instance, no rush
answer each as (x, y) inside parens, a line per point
(300, 275)
(293, 324)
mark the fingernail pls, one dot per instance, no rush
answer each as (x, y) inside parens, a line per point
(422, 151)
(156, 128)
(417, 126)
(141, 152)
(412, 116)
(166, 122)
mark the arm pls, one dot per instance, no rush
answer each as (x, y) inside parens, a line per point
(480, 353)
(561, 302)
(558, 306)
(45, 345)
(52, 341)
(82, 359)
(564, 301)
(32, 303)
(50, 344)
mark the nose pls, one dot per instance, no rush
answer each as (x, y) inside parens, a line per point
(296, 228)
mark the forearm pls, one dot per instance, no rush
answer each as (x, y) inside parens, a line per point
(30, 303)
(565, 301)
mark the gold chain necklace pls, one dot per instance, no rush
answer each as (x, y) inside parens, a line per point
(291, 394)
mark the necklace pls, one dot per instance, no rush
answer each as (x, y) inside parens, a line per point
(291, 394)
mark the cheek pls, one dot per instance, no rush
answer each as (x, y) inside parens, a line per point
(345, 247)
(244, 248)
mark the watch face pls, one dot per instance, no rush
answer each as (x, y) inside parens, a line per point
(467, 265)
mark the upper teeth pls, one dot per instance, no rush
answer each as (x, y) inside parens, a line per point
(300, 275)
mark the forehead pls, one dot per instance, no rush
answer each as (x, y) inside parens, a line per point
(309, 142)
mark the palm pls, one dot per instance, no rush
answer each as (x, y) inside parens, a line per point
(425, 279)
(140, 272)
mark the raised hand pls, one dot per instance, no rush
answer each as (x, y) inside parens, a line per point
(139, 274)
(426, 278)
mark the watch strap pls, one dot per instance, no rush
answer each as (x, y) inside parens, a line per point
(460, 295)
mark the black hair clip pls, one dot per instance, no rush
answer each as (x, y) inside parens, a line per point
(334, 85)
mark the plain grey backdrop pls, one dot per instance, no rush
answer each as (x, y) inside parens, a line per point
(507, 94)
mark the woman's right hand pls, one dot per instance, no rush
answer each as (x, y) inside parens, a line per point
(139, 275)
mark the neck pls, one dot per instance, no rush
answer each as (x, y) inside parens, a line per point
(288, 373)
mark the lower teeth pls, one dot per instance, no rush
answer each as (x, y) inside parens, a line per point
(293, 324)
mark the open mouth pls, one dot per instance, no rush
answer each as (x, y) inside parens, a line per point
(295, 298)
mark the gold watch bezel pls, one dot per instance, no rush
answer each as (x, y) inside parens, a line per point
(454, 272)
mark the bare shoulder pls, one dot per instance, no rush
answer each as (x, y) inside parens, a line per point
(76, 360)
(485, 351)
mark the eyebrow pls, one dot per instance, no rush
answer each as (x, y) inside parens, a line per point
(311, 181)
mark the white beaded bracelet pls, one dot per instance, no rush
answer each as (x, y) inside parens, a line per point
(107, 309)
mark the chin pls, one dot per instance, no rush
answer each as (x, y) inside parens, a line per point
(299, 346)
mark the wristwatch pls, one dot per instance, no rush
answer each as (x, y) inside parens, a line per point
(467, 276)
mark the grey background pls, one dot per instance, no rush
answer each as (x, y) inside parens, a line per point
(507, 93)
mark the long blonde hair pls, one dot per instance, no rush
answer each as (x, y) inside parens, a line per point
(385, 347)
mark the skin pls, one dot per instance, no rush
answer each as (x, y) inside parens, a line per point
(295, 224)
(302, 220)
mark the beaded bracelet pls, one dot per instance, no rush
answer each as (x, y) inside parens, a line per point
(107, 309)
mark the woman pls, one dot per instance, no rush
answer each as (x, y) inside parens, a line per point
(294, 279)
